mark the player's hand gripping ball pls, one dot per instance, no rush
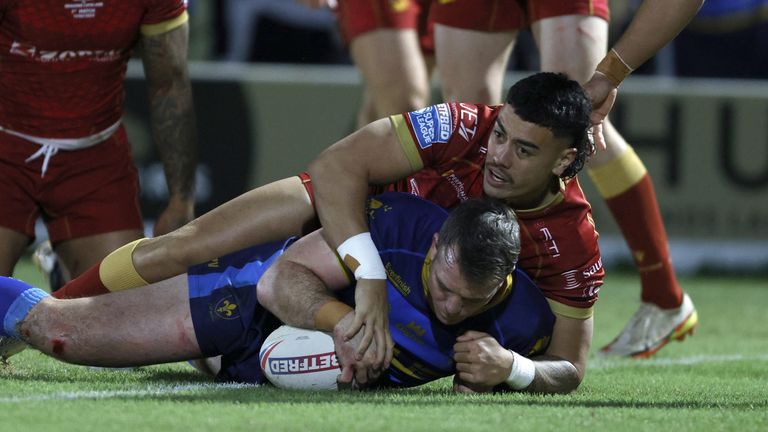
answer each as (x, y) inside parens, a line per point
(294, 358)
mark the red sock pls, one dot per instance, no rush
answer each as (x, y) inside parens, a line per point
(636, 211)
(87, 284)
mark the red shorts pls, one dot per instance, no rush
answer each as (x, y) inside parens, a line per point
(361, 16)
(508, 15)
(84, 192)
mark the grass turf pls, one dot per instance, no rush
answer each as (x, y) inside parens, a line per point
(717, 380)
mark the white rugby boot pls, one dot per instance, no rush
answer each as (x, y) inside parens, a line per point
(47, 262)
(651, 328)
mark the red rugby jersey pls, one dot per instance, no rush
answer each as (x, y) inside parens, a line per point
(559, 240)
(62, 62)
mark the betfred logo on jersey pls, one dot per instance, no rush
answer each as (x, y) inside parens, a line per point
(431, 125)
(305, 364)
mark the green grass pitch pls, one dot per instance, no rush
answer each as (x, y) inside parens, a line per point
(716, 380)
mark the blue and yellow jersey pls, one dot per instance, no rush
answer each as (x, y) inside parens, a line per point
(402, 227)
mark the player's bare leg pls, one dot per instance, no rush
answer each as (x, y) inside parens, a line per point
(79, 254)
(12, 245)
(472, 63)
(395, 82)
(574, 45)
(271, 212)
(136, 327)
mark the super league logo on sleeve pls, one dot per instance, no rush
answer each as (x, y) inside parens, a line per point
(431, 125)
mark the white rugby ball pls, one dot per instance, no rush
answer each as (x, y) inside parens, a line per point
(299, 359)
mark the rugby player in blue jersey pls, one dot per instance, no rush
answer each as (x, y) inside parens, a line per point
(458, 285)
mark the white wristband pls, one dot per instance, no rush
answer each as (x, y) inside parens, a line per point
(361, 256)
(523, 371)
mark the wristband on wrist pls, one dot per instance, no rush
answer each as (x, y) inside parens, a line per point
(523, 372)
(614, 67)
(360, 255)
(330, 314)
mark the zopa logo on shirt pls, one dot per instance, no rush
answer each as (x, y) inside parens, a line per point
(431, 125)
(46, 56)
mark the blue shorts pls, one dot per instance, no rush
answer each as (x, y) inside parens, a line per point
(227, 317)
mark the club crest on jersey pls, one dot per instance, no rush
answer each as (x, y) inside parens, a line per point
(83, 9)
(431, 124)
(226, 308)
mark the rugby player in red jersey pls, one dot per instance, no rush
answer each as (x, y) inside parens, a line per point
(64, 153)
(400, 80)
(572, 37)
(524, 152)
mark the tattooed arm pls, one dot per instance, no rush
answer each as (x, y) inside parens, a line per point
(173, 121)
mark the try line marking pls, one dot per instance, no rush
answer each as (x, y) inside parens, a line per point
(159, 390)
(163, 390)
(611, 363)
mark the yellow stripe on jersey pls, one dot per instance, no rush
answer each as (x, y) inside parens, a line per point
(406, 141)
(165, 26)
(618, 175)
(401, 367)
(570, 311)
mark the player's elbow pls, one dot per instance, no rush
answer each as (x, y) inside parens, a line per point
(265, 288)
(555, 376)
(568, 382)
(331, 162)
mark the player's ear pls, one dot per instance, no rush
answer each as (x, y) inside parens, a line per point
(433, 248)
(567, 156)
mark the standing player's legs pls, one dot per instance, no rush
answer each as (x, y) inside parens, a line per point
(143, 326)
(395, 82)
(472, 63)
(81, 253)
(473, 45)
(18, 209)
(12, 245)
(385, 40)
(574, 44)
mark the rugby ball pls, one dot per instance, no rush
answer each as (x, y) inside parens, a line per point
(299, 359)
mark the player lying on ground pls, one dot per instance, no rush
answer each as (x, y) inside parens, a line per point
(525, 152)
(458, 285)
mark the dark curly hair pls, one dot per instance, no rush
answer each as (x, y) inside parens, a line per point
(554, 101)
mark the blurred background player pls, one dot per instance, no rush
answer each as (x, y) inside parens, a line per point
(391, 45)
(64, 153)
(474, 39)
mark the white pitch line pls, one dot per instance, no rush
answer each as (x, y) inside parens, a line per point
(111, 394)
(598, 363)
(605, 363)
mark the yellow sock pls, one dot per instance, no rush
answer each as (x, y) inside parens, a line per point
(618, 175)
